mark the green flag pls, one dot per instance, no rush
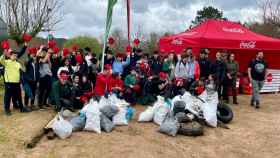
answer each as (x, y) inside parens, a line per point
(111, 4)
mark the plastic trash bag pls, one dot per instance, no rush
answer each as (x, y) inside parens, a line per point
(120, 117)
(109, 111)
(129, 113)
(170, 125)
(78, 122)
(161, 111)
(104, 102)
(210, 109)
(106, 124)
(147, 115)
(62, 128)
(92, 118)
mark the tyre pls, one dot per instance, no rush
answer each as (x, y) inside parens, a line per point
(224, 113)
(179, 106)
(191, 129)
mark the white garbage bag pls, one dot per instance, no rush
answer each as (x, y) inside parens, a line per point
(92, 118)
(147, 115)
(62, 128)
(161, 111)
(104, 102)
(120, 118)
(210, 109)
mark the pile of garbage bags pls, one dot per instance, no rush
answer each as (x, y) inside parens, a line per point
(96, 116)
(185, 114)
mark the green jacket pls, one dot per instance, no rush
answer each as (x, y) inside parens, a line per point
(61, 91)
(130, 80)
(232, 68)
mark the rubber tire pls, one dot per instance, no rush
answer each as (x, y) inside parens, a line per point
(224, 113)
(191, 129)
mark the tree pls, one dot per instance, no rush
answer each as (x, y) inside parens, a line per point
(207, 13)
(120, 40)
(30, 16)
(85, 41)
(151, 44)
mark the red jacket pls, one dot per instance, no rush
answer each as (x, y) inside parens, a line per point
(196, 70)
(115, 82)
(103, 84)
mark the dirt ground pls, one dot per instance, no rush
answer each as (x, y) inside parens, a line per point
(252, 134)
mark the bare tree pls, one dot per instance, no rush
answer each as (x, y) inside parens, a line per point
(270, 10)
(30, 16)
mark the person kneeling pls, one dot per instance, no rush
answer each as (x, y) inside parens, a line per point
(62, 92)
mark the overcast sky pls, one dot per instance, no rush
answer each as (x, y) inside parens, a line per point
(87, 17)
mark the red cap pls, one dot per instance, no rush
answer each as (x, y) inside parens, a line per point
(32, 50)
(26, 37)
(119, 55)
(5, 44)
(128, 49)
(136, 42)
(65, 52)
(55, 50)
(111, 40)
(163, 75)
(107, 67)
(79, 58)
(51, 44)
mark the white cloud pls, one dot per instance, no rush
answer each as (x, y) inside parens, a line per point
(87, 17)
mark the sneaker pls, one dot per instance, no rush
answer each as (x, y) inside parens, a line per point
(25, 110)
(8, 113)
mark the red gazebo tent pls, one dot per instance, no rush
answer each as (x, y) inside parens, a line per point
(224, 35)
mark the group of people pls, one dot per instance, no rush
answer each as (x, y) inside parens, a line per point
(68, 79)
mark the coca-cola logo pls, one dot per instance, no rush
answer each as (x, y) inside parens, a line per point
(233, 30)
(248, 44)
(177, 42)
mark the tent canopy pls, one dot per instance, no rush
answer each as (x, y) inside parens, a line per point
(218, 34)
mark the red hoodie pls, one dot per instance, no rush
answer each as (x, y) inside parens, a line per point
(115, 82)
(103, 84)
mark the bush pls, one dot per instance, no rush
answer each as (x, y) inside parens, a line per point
(85, 41)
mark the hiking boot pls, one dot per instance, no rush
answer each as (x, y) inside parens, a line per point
(8, 113)
(25, 110)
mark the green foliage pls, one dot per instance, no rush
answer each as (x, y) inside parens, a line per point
(207, 13)
(85, 41)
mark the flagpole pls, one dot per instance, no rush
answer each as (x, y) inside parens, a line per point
(108, 23)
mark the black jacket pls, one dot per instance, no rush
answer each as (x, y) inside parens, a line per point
(219, 70)
(32, 72)
(205, 68)
(156, 65)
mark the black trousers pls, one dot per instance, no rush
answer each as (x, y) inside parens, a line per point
(12, 91)
(45, 84)
(229, 84)
(33, 87)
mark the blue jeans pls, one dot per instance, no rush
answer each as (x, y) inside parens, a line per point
(257, 86)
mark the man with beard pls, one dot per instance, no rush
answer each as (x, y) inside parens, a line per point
(257, 72)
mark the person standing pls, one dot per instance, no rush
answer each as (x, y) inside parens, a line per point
(45, 81)
(204, 64)
(219, 72)
(12, 81)
(257, 72)
(232, 68)
(155, 63)
(30, 79)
